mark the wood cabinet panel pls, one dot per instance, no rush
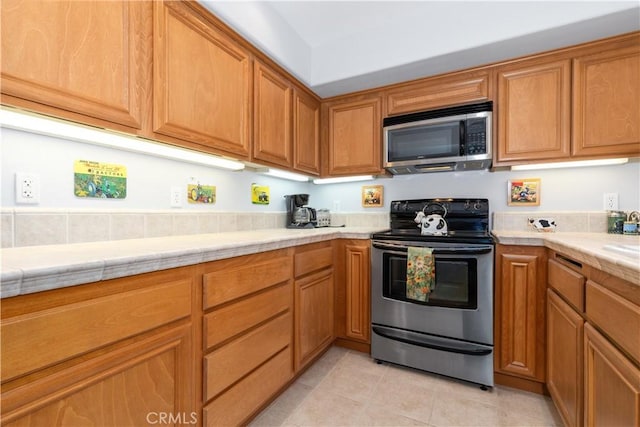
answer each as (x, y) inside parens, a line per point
(313, 316)
(612, 384)
(231, 320)
(106, 390)
(444, 91)
(306, 133)
(615, 316)
(272, 114)
(312, 258)
(520, 311)
(606, 103)
(358, 284)
(89, 58)
(567, 282)
(202, 82)
(86, 325)
(240, 402)
(244, 276)
(534, 106)
(233, 361)
(565, 331)
(354, 137)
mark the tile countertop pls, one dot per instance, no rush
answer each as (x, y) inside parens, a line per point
(38, 268)
(588, 248)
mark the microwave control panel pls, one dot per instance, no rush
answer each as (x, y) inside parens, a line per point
(476, 140)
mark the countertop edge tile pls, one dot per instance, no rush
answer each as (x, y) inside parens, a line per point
(583, 247)
(23, 270)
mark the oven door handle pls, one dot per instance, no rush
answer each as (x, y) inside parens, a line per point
(457, 250)
(434, 343)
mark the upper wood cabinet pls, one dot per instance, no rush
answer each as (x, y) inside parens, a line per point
(75, 59)
(286, 123)
(201, 83)
(534, 111)
(442, 91)
(272, 115)
(606, 102)
(582, 102)
(520, 280)
(354, 136)
(306, 133)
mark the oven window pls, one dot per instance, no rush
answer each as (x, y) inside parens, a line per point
(456, 281)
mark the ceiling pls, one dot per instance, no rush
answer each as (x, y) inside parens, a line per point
(337, 47)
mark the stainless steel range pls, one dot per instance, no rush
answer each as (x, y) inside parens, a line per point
(452, 332)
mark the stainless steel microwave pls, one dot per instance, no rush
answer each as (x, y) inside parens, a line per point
(448, 139)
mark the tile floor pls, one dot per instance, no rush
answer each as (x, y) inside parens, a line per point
(347, 388)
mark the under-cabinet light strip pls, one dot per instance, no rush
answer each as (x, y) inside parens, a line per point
(57, 128)
(342, 179)
(578, 163)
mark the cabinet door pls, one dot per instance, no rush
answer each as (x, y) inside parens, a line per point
(534, 111)
(133, 385)
(520, 311)
(306, 133)
(564, 358)
(202, 82)
(357, 282)
(83, 57)
(313, 316)
(438, 92)
(611, 383)
(272, 117)
(606, 103)
(355, 130)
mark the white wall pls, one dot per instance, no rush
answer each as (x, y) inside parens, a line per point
(150, 180)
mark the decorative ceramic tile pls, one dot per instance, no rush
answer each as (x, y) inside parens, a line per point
(40, 229)
(158, 225)
(127, 226)
(6, 229)
(88, 227)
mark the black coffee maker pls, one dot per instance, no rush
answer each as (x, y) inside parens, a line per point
(298, 214)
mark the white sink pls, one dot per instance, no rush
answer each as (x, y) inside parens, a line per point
(628, 250)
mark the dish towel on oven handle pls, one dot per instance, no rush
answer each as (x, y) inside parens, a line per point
(421, 273)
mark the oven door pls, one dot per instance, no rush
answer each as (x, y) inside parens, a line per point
(460, 306)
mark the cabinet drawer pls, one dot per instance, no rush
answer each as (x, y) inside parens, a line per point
(313, 260)
(568, 283)
(36, 340)
(240, 402)
(254, 274)
(231, 362)
(231, 320)
(617, 317)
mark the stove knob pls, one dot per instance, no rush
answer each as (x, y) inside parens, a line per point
(467, 205)
(477, 205)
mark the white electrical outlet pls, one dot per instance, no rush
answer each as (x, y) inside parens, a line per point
(27, 188)
(176, 197)
(610, 201)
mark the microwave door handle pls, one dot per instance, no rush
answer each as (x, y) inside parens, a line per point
(462, 137)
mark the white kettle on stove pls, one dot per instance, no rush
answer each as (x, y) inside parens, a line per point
(431, 224)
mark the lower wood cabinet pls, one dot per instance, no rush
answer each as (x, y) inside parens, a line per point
(353, 300)
(612, 384)
(565, 330)
(313, 302)
(520, 289)
(210, 344)
(247, 334)
(82, 355)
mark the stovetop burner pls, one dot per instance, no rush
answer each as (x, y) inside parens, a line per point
(467, 220)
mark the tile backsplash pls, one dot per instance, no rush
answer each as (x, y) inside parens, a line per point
(588, 222)
(31, 227)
